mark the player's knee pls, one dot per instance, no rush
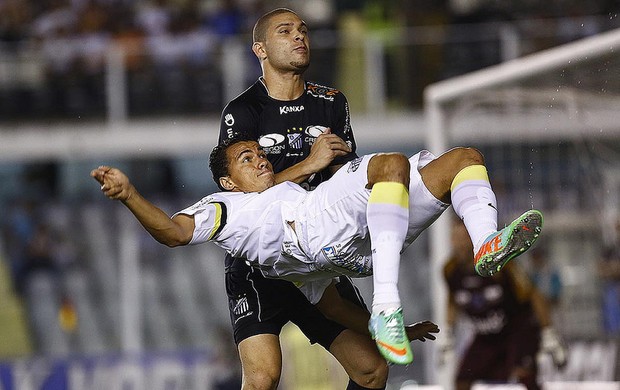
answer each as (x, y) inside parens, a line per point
(260, 380)
(372, 375)
(389, 167)
(468, 156)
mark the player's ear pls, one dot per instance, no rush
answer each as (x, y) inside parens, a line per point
(259, 51)
(227, 183)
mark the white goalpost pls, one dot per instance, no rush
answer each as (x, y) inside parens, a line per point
(540, 110)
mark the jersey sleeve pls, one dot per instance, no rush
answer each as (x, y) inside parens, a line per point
(209, 219)
(342, 128)
(237, 118)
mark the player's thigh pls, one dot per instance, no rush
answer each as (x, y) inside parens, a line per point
(261, 361)
(348, 183)
(350, 292)
(313, 324)
(424, 206)
(360, 358)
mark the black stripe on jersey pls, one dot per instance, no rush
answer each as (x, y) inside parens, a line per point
(221, 222)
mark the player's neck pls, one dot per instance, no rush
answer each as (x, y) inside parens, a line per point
(284, 86)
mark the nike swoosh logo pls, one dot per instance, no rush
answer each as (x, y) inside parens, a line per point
(397, 351)
(492, 206)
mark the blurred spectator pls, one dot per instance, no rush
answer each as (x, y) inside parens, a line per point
(227, 20)
(17, 230)
(58, 15)
(129, 37)
(29, 244)
(73, 36)
(478, 46)
(153, 16)
(40, 256)
(15, 19)
(510, 318)
(609, 271)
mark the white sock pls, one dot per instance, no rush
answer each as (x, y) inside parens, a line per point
(474, 202)
(388, 220)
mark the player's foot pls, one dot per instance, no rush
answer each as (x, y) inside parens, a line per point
(502, 246)
(388, 331)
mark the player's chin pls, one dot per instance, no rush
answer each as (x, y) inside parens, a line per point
(301, 65)
(267, 180)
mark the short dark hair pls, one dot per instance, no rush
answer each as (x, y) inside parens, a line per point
(218, 159)
(259, 33)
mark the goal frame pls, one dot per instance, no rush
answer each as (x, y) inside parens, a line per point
(437, 140)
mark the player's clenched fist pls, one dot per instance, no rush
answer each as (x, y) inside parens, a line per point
(326, 148)
(114, 183)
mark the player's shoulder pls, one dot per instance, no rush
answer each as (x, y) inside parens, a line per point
(249, 99)
(215, 198)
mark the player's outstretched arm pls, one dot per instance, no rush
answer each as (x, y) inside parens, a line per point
(171, 232)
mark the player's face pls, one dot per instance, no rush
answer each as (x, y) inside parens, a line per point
(287, 44)
(248, 167)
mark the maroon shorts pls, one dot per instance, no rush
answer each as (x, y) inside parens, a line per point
(493, 358)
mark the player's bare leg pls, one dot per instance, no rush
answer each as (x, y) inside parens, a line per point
(460, 177)
(359, 357)
(261, 362)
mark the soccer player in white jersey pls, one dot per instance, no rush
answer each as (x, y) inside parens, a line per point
(357, 223)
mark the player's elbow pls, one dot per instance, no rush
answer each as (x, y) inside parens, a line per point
(173, 244)
(172, 239)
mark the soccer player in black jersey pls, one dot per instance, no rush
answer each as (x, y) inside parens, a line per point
(304, 128)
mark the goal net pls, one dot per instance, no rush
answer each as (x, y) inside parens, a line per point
(549, 128)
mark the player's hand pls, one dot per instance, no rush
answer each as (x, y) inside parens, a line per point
(114, 183)
(325, 149)
(552, 344)
(422, 331)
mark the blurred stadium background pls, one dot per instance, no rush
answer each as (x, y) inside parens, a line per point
(88, 300)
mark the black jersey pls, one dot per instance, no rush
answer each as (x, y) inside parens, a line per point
(287, 129)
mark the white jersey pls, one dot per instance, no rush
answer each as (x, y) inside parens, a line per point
(330, 235)
(247, 225)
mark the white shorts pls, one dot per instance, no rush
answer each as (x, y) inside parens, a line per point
(331, 223)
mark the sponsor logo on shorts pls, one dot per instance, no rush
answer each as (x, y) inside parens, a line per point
(241, 306)
(354, 164)
(358, 264)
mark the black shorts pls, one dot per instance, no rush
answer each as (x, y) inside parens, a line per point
(259, 305)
